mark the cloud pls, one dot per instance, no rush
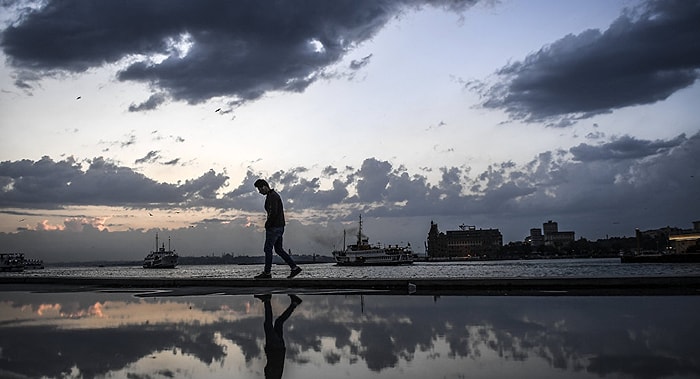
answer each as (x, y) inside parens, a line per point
(74, 224)
(205, 187)
(130, 141)
(46, 184)
(373, 180)
(151, 157)
(625, 147)
(645, 56)
(45, 225)
(329, 170)
(203, 49)
(638, 183)
(357, 64)
(152, 103)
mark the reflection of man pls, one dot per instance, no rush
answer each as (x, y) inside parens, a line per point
(274, 341)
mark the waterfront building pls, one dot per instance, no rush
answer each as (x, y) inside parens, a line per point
(535, 239)
(686, 241)
(550, 227)
(466, 242)
(553, 237)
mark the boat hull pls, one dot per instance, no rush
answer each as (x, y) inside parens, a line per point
(159, 265)
(372, 258)
(167, 261)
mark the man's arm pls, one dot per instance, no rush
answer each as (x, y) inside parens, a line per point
(274, 209)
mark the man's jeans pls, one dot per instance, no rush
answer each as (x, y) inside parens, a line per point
(273, 238)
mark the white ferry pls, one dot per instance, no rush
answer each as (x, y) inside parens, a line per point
(13, 262)
(364, 254)
(161, 258)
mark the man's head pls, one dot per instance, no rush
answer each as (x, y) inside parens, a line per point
(262, 186)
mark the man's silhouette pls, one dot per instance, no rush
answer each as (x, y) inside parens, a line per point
(275, 349)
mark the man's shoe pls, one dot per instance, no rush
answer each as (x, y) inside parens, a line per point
(295, 299)
(263, 275)
(295, 272)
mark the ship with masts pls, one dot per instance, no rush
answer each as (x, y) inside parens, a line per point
(161, 258)
(362, 253)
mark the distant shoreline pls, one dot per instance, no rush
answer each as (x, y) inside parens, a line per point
(311, 259)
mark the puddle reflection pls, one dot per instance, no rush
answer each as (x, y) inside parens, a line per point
(123, 335)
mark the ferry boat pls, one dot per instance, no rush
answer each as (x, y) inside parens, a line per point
(161, 258)
(33, 264)
(364, 254)
(13, 262)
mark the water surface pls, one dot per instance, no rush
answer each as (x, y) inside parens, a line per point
(542, 268)
(71, 333)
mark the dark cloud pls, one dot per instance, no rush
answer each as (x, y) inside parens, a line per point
(48, 184)
(357, 64)
(329, 170)
(202, 49)
(645, 56)
(625, 147)
(595, 135)
(152, 103)
(206, 186)
(151, 157)
(373, 180)
(612, 178)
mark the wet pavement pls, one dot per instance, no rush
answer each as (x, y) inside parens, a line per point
(223, 331)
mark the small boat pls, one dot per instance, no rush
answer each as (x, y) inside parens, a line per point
(13, 262)
(364, 254)
(33, 264)
(161, 258)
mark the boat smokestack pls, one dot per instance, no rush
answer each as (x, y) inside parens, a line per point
(359, 232)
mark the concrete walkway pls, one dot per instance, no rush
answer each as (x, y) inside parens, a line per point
(420, 286)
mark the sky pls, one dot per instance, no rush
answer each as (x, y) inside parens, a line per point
(121, 120)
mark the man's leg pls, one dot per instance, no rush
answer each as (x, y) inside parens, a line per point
(270, 238)
(279, 322)
(267, 324)
(280, 250)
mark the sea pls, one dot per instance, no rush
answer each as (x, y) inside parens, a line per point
(541, 268)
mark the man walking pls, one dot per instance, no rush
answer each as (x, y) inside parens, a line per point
(274, 229)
